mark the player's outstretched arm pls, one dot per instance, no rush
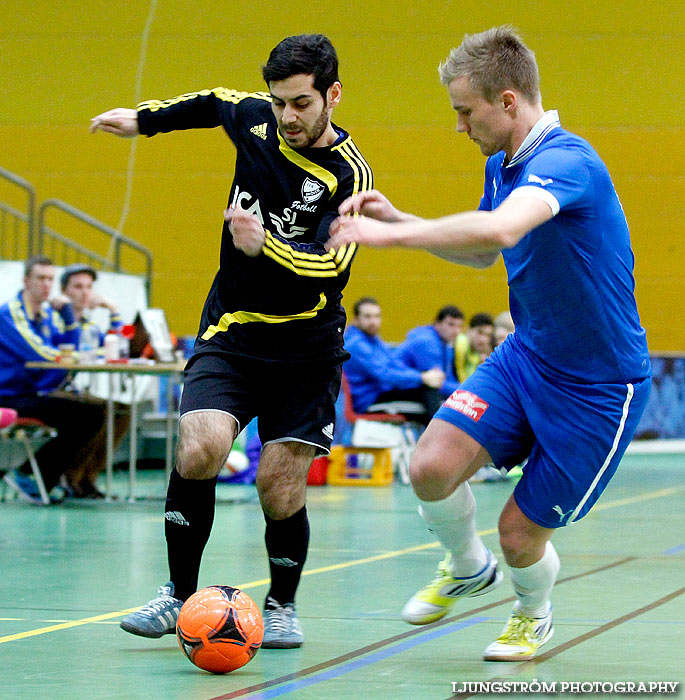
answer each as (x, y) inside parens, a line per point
(470, 238)
(373, 204)
(360, 229)
(120, 122)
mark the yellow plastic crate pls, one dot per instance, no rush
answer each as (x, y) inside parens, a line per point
(360, 466)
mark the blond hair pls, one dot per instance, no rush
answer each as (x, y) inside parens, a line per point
(494, 61)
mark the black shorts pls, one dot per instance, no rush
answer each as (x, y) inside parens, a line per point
(291, 402)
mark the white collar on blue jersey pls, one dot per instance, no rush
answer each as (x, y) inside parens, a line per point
(548, 121)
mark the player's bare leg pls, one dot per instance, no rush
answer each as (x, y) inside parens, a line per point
(205, 439)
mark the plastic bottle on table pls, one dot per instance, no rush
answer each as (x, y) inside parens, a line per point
(88, 344)
(112, 345)
(124, 346)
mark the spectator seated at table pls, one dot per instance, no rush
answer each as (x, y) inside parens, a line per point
(429, 347)
(377, 378)
(31, 329)
(77, 285)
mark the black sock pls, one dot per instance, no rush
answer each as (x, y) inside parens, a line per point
(286, 544)
(188, 519)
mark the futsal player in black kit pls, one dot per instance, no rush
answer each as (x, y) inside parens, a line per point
(270, 342)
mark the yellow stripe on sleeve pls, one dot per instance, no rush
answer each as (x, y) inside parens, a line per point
(35, 341)
(363, 177)
(222, 93)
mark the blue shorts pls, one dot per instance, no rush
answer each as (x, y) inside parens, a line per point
(573, 434)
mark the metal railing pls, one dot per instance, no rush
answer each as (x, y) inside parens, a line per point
(17, 226)
(24, 233)
(64, 250)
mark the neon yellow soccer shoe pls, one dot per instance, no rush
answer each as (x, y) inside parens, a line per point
(521, 637)
(434, 600)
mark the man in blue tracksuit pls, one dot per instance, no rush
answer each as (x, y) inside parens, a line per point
(31, 329)
(427, 347)
(378, 379)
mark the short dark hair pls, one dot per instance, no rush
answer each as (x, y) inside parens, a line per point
(76, 269)
(364, 300)
(36, 260)
(309, 54)
(449, 311)
(481, 320)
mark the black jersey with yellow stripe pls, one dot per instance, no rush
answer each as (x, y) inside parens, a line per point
(283, 304)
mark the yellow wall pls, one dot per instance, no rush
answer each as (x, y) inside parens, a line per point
(612, 68)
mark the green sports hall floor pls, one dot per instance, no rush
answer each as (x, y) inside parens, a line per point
(68, 573)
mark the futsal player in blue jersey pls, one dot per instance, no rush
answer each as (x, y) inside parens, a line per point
(564, 391)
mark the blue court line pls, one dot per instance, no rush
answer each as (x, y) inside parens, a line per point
(675, 550)
(366, 661)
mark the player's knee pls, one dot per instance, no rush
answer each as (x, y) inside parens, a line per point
(279, 498)
(282, 478)
(430, 474)
(197, 459)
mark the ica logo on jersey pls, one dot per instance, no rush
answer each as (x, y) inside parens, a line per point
(286, 224)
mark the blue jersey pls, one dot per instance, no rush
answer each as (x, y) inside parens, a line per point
(24, 339)
(374, 368)
(571, 285)
(424, 349)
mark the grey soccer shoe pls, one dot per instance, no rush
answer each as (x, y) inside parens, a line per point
(282, 629)
(156, 618)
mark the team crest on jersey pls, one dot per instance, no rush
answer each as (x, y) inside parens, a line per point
(467, 403)
(311, 190)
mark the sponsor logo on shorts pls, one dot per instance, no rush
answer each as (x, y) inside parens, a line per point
(467, 403)
(328, 431)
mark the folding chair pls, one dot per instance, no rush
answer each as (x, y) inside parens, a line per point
(407, 434)
(20, 438)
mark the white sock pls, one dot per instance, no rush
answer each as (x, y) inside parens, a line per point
(533, 584)
(452, 521)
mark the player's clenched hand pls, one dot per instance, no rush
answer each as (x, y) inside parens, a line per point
(247, 231)
(359, 229)
(370, 203)
(120, 121)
